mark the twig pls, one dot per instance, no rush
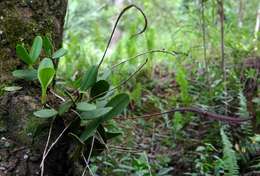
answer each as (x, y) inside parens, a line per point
(209, 115)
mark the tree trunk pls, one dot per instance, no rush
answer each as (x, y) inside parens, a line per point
(20, 150)
(21, 21)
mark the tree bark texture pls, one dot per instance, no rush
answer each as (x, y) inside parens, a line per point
(21, 21)
(20, 150)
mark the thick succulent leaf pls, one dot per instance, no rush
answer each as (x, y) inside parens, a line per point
(61, 52)
(46, 72)
(99, 89)
(47, 46)
(22, 53)
(27, 74)
(64, 107)
(85, 106)
(118, 103)
(89, 115)
(89, 78)
(90, 128)
(45, 113)
(36, 48)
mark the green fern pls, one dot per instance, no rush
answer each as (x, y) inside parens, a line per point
(247, 127)
(181, 79)
(229, 156)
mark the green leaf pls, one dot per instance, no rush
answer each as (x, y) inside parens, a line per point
(61, 52)
(106, 135)
(27, 74)
(84, 106)
(22, 53)
(45, 113)
(88, 115)
(12, 88)
(119, 103)
(63, 108)
(90, 129)
(99, 89)
(89, 78)
(47, 46)
(46, 73)
(110, 135)
(36, 49)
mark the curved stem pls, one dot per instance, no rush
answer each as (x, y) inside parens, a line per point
(116, 24)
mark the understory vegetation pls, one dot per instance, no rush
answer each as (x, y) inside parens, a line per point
(193, 75)
(158, 88)
(174, 143)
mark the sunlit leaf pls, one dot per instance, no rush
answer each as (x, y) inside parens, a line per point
(46, 73)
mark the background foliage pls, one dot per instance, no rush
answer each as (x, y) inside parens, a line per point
(177, 143)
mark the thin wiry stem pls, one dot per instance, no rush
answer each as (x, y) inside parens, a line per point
(46, 147)
(91, 148)
(87, 166)
(116, 24)
(173, 53)
(54, 143)
(89, 156)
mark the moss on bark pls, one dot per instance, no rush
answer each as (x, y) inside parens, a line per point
(21, 21)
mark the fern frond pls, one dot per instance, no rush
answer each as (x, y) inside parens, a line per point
(230, 165)
(242, 112)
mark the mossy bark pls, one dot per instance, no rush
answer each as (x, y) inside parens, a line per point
(21, 21)
(20, 152)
